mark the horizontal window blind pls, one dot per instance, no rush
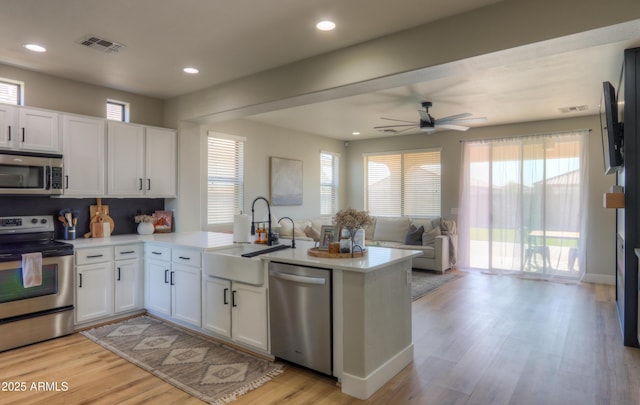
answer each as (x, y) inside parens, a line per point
(225, 179)
(328, 183)
(404, 184)
(9, 93)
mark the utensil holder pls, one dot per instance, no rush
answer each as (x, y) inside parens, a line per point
(69, 232)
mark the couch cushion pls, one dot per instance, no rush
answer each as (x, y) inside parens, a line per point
(391, 229)
(424, 222)
(428, 252)
(369, 230)
(317, 223)
(286, 230)
(429, 237)
(312, 233)
(414, 236)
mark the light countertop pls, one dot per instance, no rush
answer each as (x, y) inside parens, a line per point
(196, 240)
(376, 257)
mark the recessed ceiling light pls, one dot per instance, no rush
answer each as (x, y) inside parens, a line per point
(35, 48)
(190, 70)
(325, 25)
(355, 133)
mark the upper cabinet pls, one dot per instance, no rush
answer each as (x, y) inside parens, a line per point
(84, 156)
(141, 161)
(29, 129)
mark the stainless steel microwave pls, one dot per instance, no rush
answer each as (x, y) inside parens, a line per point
(30, 173)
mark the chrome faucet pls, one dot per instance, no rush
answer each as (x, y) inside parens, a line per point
(293, 234)
(253, 222)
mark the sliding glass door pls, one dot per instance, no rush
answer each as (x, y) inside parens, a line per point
(523, 205)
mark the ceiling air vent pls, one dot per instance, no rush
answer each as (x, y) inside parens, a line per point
(574, 109)
(102, 45)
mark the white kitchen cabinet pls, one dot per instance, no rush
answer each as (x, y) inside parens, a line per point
(84, 156)
(185, 293)
(128, 285)
(141, 160)
(8, 125)
(236, 310)
(30, 129)
(108, 281)
(94, 291)
(173, 284)
(125, 154)
(94, 285)
(161, 163)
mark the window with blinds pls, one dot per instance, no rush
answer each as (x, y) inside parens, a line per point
(329, 164)
(117, 110)
(10, 92)
(225, 177)
(404, 183)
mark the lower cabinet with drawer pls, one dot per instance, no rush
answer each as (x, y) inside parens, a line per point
(108, 282)
(172, 283)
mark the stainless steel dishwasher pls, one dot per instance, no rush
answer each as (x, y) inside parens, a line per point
(300, 310)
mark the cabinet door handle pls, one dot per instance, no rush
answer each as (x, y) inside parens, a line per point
(9, 132)
(172, 283)
(80, 283)
(225, 300)
(94, 256)
(233, 298)
(148, 184)
(118, 273)
(66, 179)
(156, 253)
(140, 188)
(128, 252)
(22, 134)
(166, 272)
(184, 258)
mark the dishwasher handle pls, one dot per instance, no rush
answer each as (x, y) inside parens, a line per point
(300, 279)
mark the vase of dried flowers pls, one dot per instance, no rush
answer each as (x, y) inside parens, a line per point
(145, 224)
(353, 220)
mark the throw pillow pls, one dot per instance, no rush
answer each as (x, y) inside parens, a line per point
(429, 237)
(312, 233)
(414, 236)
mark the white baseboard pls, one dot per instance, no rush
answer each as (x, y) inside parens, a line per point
(600, 279)
(364, 387)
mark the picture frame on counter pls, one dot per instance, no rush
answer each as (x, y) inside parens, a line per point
(328, 235)
(163, 221)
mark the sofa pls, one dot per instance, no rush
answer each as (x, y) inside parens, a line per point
(436, 238)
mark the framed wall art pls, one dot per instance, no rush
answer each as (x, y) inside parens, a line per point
(286, 181)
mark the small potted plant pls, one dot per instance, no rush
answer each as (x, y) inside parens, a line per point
(145, 224)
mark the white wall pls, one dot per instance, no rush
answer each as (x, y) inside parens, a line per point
(601, 234)
(262, 143)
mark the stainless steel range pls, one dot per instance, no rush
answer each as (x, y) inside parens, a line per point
(36, 308)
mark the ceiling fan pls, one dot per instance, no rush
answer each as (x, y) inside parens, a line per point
(429, 124)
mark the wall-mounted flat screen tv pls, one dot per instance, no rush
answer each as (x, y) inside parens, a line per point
(611, 130)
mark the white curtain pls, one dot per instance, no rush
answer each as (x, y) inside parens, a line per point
(523, 205)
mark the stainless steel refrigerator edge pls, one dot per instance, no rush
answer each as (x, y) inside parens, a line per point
(300, 310)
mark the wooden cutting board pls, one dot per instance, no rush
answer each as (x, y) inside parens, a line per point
(97, 228)
(98, 208)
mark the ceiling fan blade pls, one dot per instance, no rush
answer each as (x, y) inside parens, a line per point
(453, 127)
(395, 126)
(392, 130)
(393, 119)
(469, 120)
(453, 117)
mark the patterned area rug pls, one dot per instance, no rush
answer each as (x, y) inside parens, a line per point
(203, 368)
(423, 282)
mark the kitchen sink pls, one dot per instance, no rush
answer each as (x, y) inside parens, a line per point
(228, 263)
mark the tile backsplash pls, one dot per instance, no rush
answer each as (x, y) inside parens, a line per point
(121, 210)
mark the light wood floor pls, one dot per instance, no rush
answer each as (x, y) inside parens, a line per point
(481, 339)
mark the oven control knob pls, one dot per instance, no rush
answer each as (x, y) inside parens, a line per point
(34, 221)
(43, 221)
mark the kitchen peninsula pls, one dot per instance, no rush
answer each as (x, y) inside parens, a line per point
(371, 299)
